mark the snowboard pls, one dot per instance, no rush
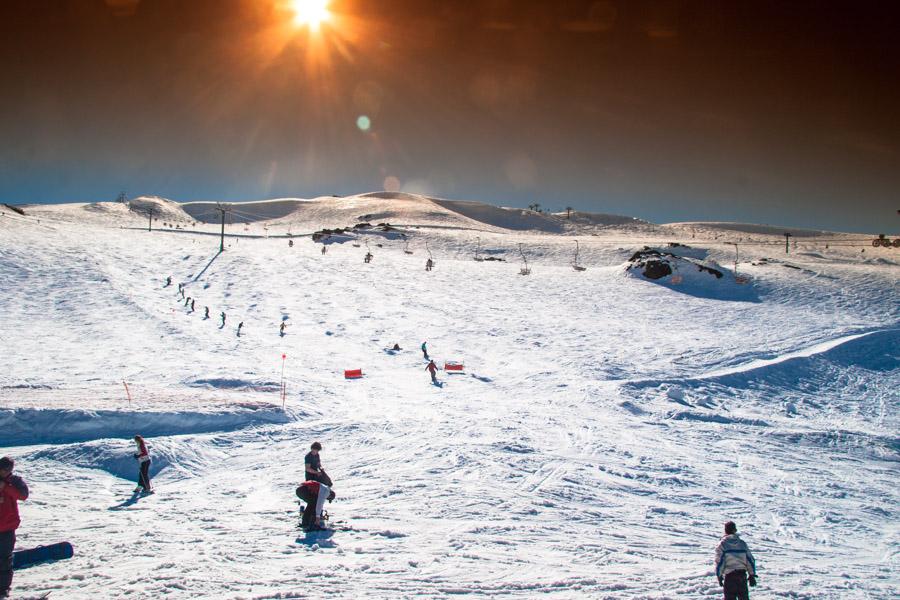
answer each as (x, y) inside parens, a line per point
(24, 558)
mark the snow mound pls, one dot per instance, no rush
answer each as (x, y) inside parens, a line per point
(749, 228)
(26, 426)
(516, 219)
(700, 278)
(161, 209)
(180, 457)
(600, 219)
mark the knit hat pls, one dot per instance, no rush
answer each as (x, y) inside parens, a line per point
(7, 463)
(730, 527)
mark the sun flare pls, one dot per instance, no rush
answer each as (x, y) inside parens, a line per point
(310, 13)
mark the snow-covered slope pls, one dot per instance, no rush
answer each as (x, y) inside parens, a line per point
(603, 428)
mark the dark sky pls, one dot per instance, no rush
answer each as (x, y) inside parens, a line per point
(780, 112)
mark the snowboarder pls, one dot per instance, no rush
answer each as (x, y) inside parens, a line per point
(281, 328)
(314, 494)
(425, 351)
(734, 564)
(206, 314)
(168, 281)
(312, 465)
(12, 490)
(368, 257)
(432, 368)
(429, 264)
(323, 249)
(241, 324)
(143, 458)
(223, 319)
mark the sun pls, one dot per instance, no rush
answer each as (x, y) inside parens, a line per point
(310, 13)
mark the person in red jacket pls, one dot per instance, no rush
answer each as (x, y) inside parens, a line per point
(12, 489)
(314, 494)
(432, 368)
(143, 457)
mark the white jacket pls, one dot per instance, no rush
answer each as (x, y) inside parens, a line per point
(732, 554)
(324, 492)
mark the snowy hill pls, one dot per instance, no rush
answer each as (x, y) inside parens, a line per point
(603, 427)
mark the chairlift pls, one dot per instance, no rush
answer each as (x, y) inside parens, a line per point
(525, 270)
(406, 249)
(478, 249)
(575, 264)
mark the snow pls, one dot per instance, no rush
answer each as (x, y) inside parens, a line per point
(604, 427)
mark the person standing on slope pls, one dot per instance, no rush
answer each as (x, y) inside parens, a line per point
(12, 490)
(312, 465)
(314, 494)
(143, 458)
(432, 368)
(734, 564)
(425, 351)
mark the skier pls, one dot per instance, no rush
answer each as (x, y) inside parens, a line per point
(223, 319)
(312, 465)
(181, 289)
(143, 458)
(12, 490)
(241, 324)
(734, 564)
(429, 264)
(168, 281)
(432, 368)
(314, 494)
(368, 257)
(206, 314)
(281, 328)
(187, 300)
(425, 351)
(192, 305)
(323, 249)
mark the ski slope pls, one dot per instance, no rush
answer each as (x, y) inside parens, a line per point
(603, 429)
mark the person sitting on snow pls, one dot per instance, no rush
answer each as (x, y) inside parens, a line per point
(314, 494)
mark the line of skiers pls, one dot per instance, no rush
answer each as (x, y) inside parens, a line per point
(191, 303)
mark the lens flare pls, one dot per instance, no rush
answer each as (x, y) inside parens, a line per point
(310, 13)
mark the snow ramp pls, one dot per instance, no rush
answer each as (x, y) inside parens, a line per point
(877, 351)
(29, 426)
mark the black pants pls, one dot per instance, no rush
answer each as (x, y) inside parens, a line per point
(144, 477)
(309, 514)
(7, 543)
(736, 586)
